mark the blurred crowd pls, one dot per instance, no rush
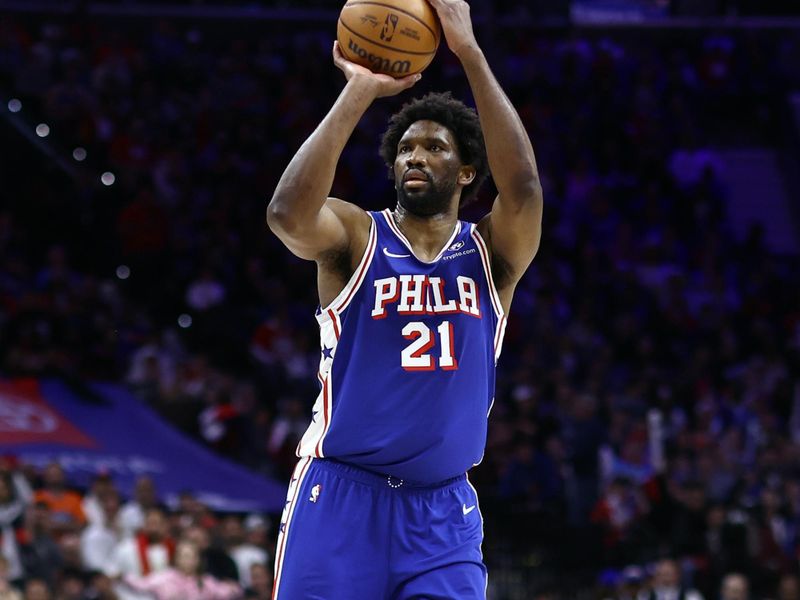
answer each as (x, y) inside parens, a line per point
(59, 543)
(646, 432)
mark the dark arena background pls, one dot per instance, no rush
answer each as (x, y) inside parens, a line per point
(158, 342)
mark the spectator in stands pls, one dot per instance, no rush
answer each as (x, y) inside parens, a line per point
(245, 555)
(152, 371)
(151, 550)
(788, 587)
(7, 591)
(622, 506)
(257, 534)
(776, 537)
(185, 581)
(16, 483)
(194, 512)
(216, 560)
(71, 585)
(730, 541)
(260, 583)
(69, 545)
(689, 519)
(631, 582)
(12, 506)
(132, 514)
(37, 589)
(221, 423)
(65, 505)
(102, 484)
(734, 587)
(257, 530)
(667, 585)
(101, 538)
(39, 551)
(101, 587)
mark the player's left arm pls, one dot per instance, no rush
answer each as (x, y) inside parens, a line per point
(513, 228)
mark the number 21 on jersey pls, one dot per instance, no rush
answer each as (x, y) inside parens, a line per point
(428, 349)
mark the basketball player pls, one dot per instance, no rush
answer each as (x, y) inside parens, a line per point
(413, 309)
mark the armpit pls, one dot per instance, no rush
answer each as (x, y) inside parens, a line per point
(502, 272)
(338, 262)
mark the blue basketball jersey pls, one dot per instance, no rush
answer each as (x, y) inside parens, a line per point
(407, 369)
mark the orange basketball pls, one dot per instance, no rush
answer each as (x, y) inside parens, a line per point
(396, 37)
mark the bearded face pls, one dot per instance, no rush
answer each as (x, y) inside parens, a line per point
(425, 197)
(427, 169)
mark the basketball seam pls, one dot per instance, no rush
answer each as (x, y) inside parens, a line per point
(400, 10)
(398, 50)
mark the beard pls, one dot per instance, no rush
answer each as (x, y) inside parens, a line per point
(431, 200)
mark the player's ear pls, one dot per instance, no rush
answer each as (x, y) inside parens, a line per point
(466, 175)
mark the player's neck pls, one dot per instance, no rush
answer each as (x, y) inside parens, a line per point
(427, 235)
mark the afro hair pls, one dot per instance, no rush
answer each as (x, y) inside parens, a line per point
(462, 122)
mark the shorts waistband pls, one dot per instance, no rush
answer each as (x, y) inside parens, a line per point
(381, 480)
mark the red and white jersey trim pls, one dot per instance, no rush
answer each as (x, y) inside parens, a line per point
(299, 474)
(487, 269)
(500, 331)
(330, 329)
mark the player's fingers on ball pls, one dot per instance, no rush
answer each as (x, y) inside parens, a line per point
(338, 58)
(410, 80)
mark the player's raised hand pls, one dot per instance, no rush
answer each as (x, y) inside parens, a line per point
(384, 85)
(456, 23)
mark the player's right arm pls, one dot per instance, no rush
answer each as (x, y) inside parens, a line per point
(301, 214)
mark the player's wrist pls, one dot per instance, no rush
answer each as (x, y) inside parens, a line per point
(469, 51)
(362, 90)
(366, 84)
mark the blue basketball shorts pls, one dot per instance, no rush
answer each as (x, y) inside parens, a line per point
(350, 534)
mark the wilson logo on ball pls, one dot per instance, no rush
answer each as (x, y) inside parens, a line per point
(379, 63)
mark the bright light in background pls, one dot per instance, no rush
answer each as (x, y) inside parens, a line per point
(108, 178)
(14, 105)
(185, 321)
(79, 154)
(123, 272)
(42, 130)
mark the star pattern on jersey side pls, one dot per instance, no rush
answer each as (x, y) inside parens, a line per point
(314, 416)
(327, 353)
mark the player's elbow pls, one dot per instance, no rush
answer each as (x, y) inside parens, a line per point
(279, 216)
(274, 215)
(522, 192)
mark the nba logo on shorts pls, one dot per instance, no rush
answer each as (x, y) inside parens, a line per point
(315, 492)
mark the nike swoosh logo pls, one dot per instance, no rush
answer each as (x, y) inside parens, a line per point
(393, 255)
(466, 510)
